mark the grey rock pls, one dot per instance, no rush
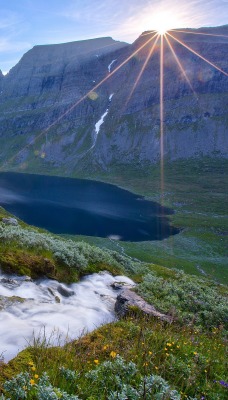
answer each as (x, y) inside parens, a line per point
(120, 285)
(128, 298)
(65, 292)
(10, 221)
(57, 299)
(27, 278)
(8, 282)
(51, 291)
(51, 94)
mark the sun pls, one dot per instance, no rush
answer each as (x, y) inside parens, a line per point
(164, 21)
(162, 30)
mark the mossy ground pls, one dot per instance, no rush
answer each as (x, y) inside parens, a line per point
(38, 262)
(191, 361)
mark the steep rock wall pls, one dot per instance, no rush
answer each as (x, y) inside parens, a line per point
(45, 125)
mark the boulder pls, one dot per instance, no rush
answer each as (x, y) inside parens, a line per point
(10, 221)
(121, 285)
(57, 299)
(127, 298)
(8, 282)
(65, 292)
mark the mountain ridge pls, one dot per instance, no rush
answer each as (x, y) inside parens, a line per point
(44, 123)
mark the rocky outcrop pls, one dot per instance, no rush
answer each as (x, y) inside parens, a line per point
(54, 116)
(6, 302)
(10, 221)
(127, 299)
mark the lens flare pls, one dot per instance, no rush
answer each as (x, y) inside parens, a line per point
(180, 65)
(162, 19)
(162, 112)
(143, 67)
(188, 32)
(199, 55)
(162, 23)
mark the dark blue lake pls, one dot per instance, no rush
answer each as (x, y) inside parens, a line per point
(82, 207)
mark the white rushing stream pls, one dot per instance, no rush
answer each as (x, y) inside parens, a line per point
(71, 310)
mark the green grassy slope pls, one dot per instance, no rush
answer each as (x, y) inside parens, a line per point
(188, 355)
(197, 192)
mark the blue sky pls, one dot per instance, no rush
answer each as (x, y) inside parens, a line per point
(25, 23)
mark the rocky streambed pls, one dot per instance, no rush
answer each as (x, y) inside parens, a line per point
(31, 309)
(54, 312)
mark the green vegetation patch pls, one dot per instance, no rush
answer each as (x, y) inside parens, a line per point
(187, 298)
(98, 366)
(196, 190)
(27, 251)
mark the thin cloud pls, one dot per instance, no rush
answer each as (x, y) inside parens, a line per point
(105, 14)
(12, 25)
(10, 46)
(25, 23)
(122, 19)
(9, 20)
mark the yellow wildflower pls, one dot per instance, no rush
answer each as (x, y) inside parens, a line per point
(150, 352)
(96, 361)
(113, 354)
(33, 368)
(169, 344)
(36, 376)
(32, 382)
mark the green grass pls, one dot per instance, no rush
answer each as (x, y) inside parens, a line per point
(197, 191)
(189, 360)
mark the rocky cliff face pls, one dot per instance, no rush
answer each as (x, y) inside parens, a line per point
(45, 125)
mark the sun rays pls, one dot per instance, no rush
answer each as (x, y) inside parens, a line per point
(188, 32)
(163, 37)
(197, 54)
(180, 65)
(153, 41)
(150, 53)
(70, 109)
(162, 111)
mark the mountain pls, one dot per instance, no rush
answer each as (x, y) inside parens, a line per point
(55, 114)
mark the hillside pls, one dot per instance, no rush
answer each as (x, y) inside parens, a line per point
(49, 128)
(139, 356)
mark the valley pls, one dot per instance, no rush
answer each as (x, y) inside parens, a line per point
(113, 172)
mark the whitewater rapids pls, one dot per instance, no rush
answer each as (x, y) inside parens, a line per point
(70, 310)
